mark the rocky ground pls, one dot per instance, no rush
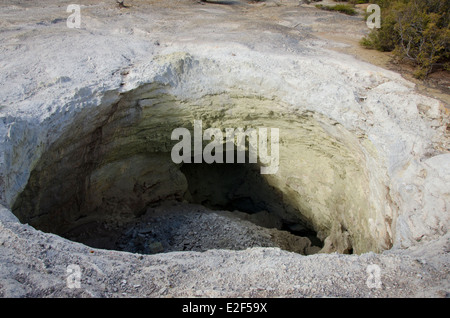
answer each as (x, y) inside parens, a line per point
(34, 264)
(50, 73)
(185, 227)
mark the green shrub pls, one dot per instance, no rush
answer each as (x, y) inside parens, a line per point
(343, 8)
(358, 1)
(416, 30)
(367, 43)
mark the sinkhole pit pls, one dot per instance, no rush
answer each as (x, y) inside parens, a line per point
(109, 181)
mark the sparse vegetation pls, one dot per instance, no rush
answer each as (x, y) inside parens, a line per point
(417, 31)
(358, 1)
(343, 8)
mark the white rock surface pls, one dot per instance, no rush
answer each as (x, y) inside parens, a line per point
(51, 73)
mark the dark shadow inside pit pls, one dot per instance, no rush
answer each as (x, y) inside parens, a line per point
(240, 187)
(170, 223)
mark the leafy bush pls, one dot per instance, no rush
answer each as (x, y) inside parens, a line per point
(416, 30)
(343, 8)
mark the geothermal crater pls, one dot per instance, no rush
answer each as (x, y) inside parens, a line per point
(86, 147)
(107, 168)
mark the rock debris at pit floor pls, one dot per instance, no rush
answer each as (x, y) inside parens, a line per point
(183, 227)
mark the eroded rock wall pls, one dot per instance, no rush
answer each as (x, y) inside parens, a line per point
(115, 163)
(338, 143)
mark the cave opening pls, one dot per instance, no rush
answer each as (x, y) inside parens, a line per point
(109, 181)
(227, 206)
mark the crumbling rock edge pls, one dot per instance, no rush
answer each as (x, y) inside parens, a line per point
(34, 264)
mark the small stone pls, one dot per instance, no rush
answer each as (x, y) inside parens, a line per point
(155, 247)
